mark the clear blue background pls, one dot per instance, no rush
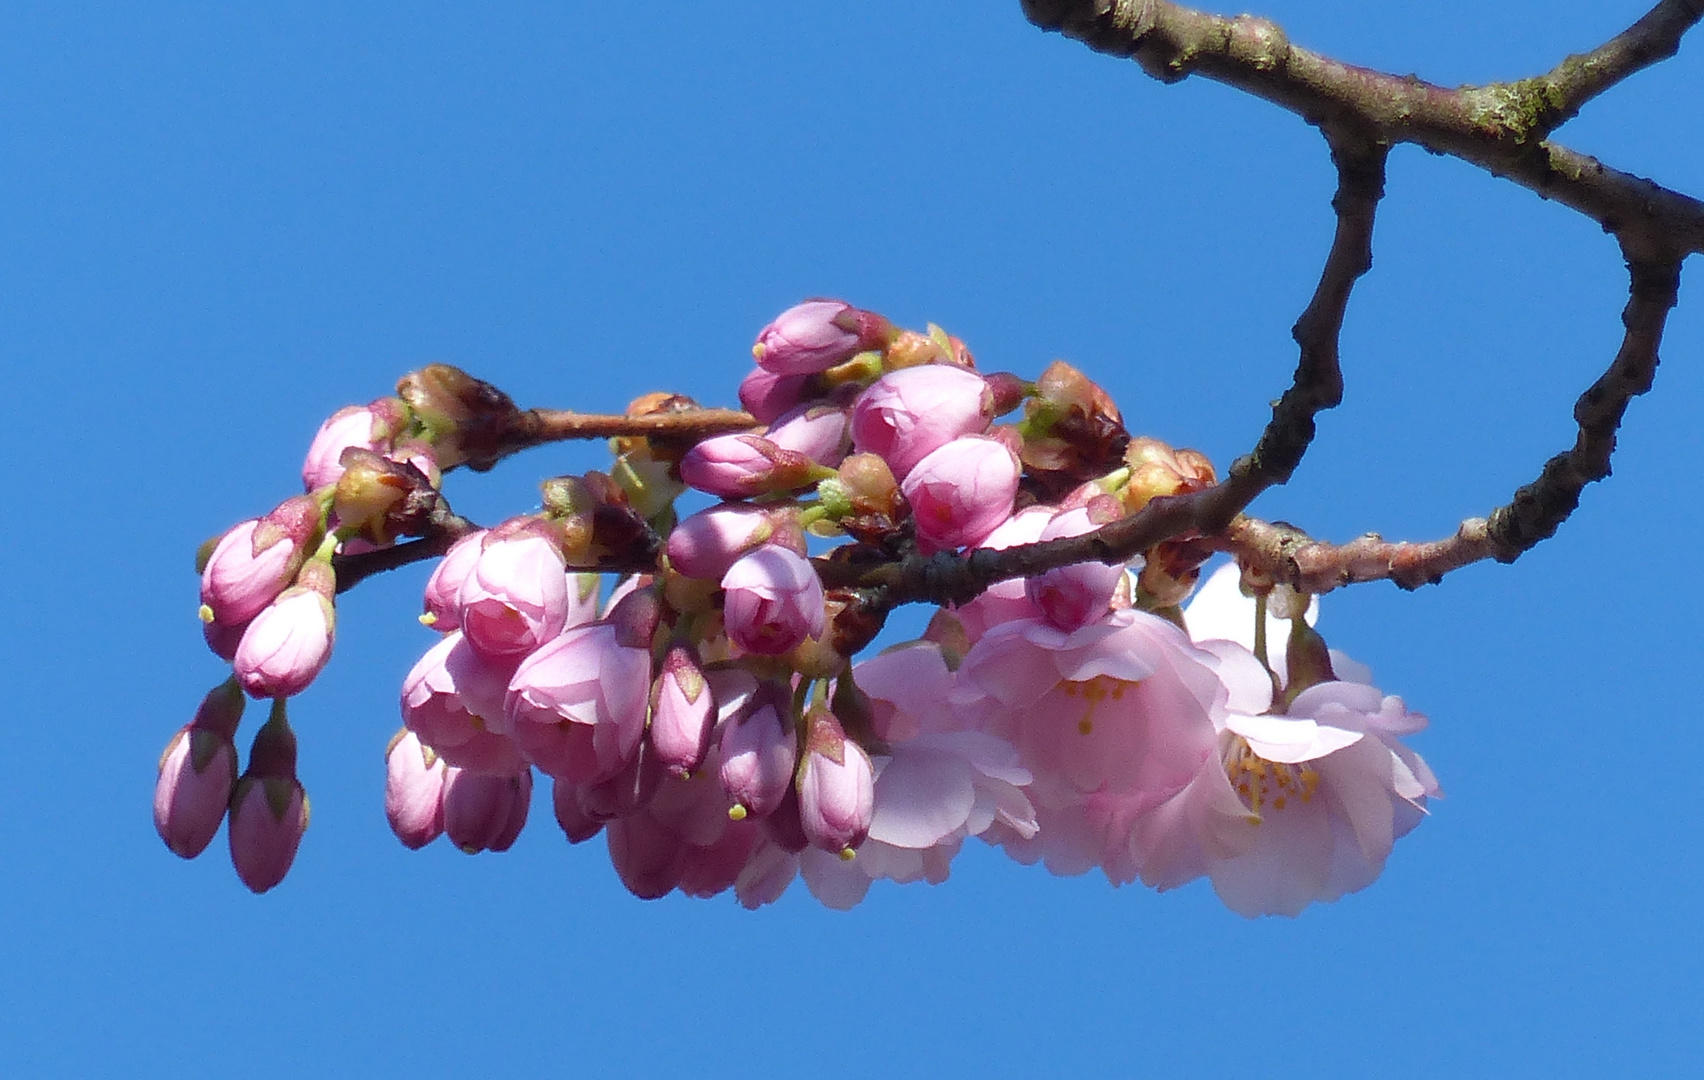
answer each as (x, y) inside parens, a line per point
(221, 223)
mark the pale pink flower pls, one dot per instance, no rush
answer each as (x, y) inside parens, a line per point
(960, 492)
(836, 786)
(287, 645)
(819, 432)
(516, 596)
(256, 560)
(355, 425)
(816, 335)
(269, 809)
(578, 703)
(773, 601)
(906, 414)
(705, 544)
(197, 772)
(758, 751)
(683, 711)
(443, 588)
(414, 790)
(453, 700)
(485, 812)
(1006, 600)
(1072, 596)
(908, 688)
(1123, 705)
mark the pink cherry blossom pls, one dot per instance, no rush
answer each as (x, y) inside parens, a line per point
(287, 645)
(453, 700)
(819, 432)
(576, 824)
(836, 785)
(906, 414)
(769, 396)
(269, 809)
(355, 426)
(816, 335)
(1007, 600)
(414, 790)
(739, 466)
(443, 588)
(578, 703)
(960, 492)
(197, 772)
(516, 597)
(485, 812)
(908, 688)
(773, 601)
(255, 561)
(758, 752)
(683, 712)
(1072, 596)
(705, 544)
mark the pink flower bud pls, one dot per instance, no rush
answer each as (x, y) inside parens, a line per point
(453, 700)
(269, 809)
(576, 824)
(287, 645)
(223, 639)
(443, 588)
(738, 466)
(820, 432)
(484, 812)
(707, 543)
(773, 601)
(816, 335)
(758, 752)
(769, 396)
(908, 413)
(836, 786)
(256, 560)
(961, 492)
(683, 712)
(369, 427)
(197, 772)
(414, 790)
(578, 703)
(1074, 596)
(625, 793)
(645, 856)
(516, 596)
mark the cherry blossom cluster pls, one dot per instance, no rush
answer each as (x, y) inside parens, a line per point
(711, 716)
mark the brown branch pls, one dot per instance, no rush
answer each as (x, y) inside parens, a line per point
(1316, 385)
(1500, 127)
(523, 429)
(443, 528)
(1290, 556)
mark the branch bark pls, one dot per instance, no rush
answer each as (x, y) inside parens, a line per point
(1501, 127)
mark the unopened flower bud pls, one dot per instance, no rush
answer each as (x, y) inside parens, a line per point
(369, 427)
(773, 601)
(269, 809)
(707, 543)
(1071, 426)
(758, 752)
(836, 785)
(769, 396)
(905, 415)
(961, 492)
(414, 790)
(465, 419)
(443, 588)
(820, 432)
(740, 466)
(197, 772)
(817, 335)
(1074, 596)
(683, 712)
(483, 812)
(254, 561)
(380, 498)
(576, 824)
(516, 596)
(286, 646)
(1157, 469)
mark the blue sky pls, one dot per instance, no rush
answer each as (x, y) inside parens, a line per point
(223, 223)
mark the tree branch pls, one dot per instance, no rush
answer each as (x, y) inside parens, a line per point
(1500, 127)
(1292, 557)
